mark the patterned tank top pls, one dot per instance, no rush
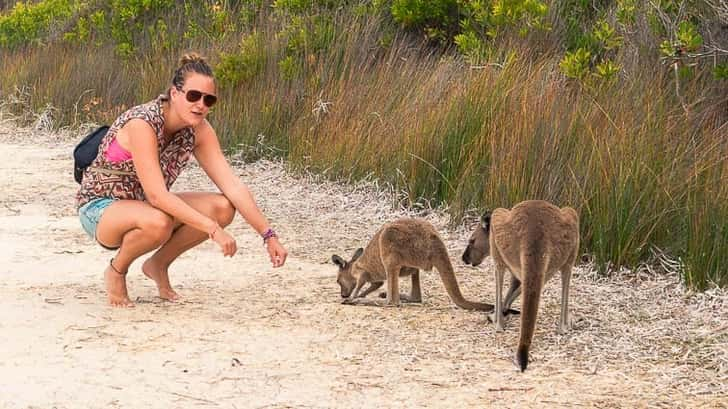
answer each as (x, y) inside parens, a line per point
(119, 180)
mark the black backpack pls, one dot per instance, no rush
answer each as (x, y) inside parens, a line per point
(85, 152)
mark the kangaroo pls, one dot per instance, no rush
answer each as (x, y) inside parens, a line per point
(399, 249)
(533, 240)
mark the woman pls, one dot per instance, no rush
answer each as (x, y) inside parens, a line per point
(124, 201)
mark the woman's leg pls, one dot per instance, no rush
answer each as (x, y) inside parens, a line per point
(213, 205)
(147, 230)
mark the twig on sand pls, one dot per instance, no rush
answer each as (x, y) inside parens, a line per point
(182, 395)
(553, 402)
(508, 389)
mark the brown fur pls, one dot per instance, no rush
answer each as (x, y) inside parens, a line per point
(533, 240)
(400, 248)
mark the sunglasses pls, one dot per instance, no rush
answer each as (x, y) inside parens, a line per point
(194, 95)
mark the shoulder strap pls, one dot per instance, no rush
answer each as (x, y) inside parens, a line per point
(96, 169)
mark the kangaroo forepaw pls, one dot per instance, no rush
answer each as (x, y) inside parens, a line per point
(491, 317)
(506, 314)
(406, 298)
(566, 326)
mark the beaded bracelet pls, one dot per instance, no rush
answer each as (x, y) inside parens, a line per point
(268, 234)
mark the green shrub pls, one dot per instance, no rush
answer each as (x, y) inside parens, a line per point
(244, 65)
(28, 22)
(213, 19)
(686, 40)
(433, 15)
(290, 67)
(720, 71)
(467, 22)
(575, 64)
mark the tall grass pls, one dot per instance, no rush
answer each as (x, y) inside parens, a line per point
(643, 172)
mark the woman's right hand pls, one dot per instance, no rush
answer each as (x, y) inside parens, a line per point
(225, 241)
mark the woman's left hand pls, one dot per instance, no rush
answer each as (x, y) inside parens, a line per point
(276, 251)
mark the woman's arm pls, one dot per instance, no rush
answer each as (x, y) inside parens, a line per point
(210, 157)
(144, 150)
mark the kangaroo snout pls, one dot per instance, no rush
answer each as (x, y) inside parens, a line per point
(468, 259)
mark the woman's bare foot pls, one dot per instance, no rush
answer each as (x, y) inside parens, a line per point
(116, 288)
(160, 276)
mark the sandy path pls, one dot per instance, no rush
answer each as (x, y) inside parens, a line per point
(249, 336)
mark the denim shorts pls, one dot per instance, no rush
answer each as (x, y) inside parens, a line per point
(90, 214)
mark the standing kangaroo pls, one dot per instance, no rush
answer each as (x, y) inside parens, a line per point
(533, 240)
(400, 248)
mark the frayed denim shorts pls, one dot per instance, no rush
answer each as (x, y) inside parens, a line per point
(90, 214)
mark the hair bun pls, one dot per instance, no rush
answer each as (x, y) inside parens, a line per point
(190, 63)
(191, 58)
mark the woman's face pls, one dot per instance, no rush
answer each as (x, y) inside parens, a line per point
(193, 101)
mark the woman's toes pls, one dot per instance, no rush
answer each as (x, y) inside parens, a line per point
(169, 294)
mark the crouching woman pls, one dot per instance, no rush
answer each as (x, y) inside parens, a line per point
(124, 201)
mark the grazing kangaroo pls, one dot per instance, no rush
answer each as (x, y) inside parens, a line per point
(533, 240)
(400, 248)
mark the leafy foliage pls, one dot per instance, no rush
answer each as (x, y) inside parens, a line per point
(469, 24)
(29, 22)
(244, 65)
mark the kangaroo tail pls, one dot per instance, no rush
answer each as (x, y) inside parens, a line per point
(447, 275)
(533, 271)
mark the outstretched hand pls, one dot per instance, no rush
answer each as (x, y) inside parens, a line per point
(226, 242)
(276, 251)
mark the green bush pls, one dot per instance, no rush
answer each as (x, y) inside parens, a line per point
(244, 65)
(720, 71)
(29, 22)
(575, 64)
(468, 23)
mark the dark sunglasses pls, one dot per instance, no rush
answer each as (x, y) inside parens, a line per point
(194, 95)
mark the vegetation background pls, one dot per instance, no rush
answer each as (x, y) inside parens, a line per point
(618, 108)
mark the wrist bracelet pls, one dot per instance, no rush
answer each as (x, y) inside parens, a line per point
(268, 234)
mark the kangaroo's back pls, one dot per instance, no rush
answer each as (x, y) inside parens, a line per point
(534, 226)
(412, 242)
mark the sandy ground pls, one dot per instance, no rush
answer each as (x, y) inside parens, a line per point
(249, 336)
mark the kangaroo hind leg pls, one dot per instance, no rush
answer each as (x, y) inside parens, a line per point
(513, 292)
(565, 320)
(415, 291)
(415, 295)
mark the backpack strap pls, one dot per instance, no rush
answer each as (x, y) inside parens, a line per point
(109, 171)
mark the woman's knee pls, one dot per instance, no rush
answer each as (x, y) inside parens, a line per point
(224, 210)
(158, 226)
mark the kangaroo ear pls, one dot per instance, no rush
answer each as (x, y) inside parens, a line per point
(338, 261)
(357, 254)
(485, 220)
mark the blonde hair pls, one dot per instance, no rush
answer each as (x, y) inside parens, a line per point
(189, 63)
